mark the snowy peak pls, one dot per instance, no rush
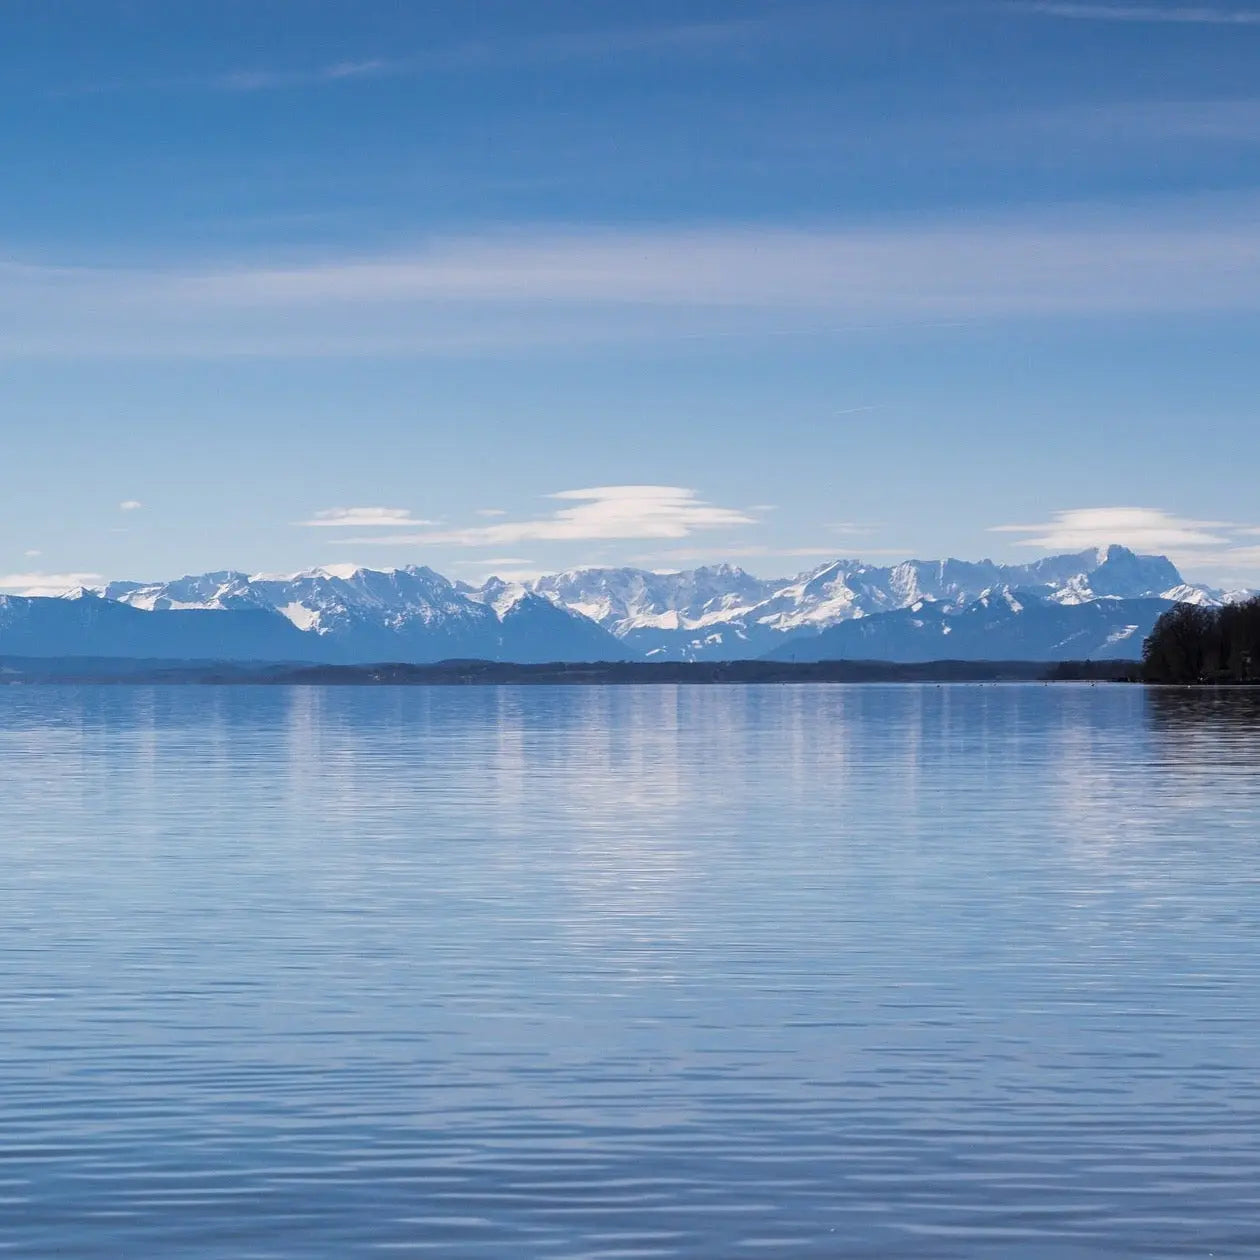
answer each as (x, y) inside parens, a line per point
(206, 590)
(721, 611)
(1123, 574)
(412, 613)
(628, 600)
(497, 594)
(321, 600)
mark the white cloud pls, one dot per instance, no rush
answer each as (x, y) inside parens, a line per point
(1237, 559)
(939, 269)
(1190, 543)
(1206, 15)
(130, 505)
(490, 512)
(572, 288)
(1143, 529)
(599, 513)
(46, 583)
(32, 553)
(364, 518)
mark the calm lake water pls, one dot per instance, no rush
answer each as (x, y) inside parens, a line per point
(629, 972)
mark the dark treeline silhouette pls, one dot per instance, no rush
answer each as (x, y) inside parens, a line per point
(1204, 645)
(597, 673)
(1094, 671)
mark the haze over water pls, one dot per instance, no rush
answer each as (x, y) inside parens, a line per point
(654, 972)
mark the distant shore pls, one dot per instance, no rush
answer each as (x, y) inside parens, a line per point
(596, 673)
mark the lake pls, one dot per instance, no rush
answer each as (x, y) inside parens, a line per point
(869, 971)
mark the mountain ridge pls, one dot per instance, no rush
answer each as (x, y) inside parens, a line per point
(690, 616)
(348, 614)
(410, 613)
(1008, 624)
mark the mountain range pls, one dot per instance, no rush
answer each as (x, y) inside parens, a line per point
(1008, 624)
(724, 613)
(1094, 604)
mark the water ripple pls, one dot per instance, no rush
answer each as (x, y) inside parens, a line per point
(639, 972)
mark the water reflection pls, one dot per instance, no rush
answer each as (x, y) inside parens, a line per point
(669, 971)
(1174, 706)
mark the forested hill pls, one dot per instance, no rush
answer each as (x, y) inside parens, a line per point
(1190, 644)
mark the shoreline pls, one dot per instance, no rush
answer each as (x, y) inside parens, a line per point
(35, 671)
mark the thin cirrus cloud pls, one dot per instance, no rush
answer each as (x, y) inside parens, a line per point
(548, 49)
(1203, 15)
(335, 72)
(364, 518)
(601, 513)
(130, 505)
(45, 584)
(570, 288)
(1139, 528)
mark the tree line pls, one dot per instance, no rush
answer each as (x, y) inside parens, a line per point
(1190, 644)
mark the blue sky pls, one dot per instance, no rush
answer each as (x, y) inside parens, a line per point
(508, 287)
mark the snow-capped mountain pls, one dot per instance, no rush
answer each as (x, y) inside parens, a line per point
(688, 615)
(407, 614)
(1006, 624)
(356, 615)
(723, 612)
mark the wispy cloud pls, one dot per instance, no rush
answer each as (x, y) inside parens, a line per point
(1204, 15)
(1191, 543)
(130, 505)
(1237, 560)
(46, 583)
(601, 513)
(529, 289)
(490, 512)
(1141, 528)
(554, 48)
(336, 72)
(364, 518)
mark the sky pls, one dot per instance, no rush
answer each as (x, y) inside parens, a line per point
(507, 288)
